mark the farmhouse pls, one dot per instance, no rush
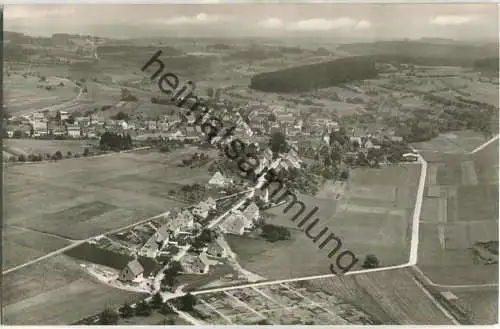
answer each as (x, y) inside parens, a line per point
(251, 212)
(219, 180)
(39, 128)
(203, 208)
(197, 264)
(236, 223)
(180, 221)
(73, 130)
(216, 250)
(132, 272)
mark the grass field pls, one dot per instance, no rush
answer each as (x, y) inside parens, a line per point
(482, 305)
(90, 196)
(55, 291)
(34, 146)
(22, 94)
(374, 216)
(390, 296)
(21, 246)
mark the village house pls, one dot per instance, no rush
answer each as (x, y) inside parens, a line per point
(133, 271)
(251, 212)
(219, 180)
(199, 264)
(214, 249)
(180, 221)
(73, 130)
(64, 115)
(151, 125)
(203, 208)
(40, 128)
(236, 223)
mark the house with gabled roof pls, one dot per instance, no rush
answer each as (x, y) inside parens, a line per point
(251, 212)
(236, 223)
(133, 271)
(203, 208)
(219, 180)
(215, 249)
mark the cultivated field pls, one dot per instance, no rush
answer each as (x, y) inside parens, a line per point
(391, 297)
(55, 291)
(383, 297)
(35, 146)
(377, 204)
(284, 304)
(453, 142)
(89, 196)
(463, 211)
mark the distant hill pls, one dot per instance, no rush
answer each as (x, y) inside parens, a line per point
(449, 53)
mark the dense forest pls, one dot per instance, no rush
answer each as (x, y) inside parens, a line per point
(487, 65)
(441, 53)
(321, 75)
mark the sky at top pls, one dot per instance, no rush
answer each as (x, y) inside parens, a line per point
(379, 21)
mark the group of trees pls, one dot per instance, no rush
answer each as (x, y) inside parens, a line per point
(196, 160)
(54, 157)
(192, 192)
(143, 308)
(170, 275)
(207, 236)
(127, 96)
(278, 143)
(115, 142)
(120, 116)
(273, 233)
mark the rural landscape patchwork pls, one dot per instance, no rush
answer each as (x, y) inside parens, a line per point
(131, 199)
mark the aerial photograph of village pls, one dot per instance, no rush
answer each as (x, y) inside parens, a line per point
(250, 164)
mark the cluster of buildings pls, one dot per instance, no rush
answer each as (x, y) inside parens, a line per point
(178, 231)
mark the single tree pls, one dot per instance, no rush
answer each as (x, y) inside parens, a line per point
(156, 301)
(371, 261)
(166, 309)
(278, 143)
(22, 158)
(58, 155)
(126, 311)
(108, 317)
(143, 309)
(69, 154)
(187, 302)
(86, 152)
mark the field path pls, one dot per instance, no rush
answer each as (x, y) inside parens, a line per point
(482, 146)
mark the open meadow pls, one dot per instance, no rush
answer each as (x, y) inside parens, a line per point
(56, 291)
(23, 96)
(20, 246)
(378, 203)
(89, 196)
(35, 146)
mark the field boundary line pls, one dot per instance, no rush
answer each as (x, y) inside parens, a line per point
(432, 283)
(482, 146)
